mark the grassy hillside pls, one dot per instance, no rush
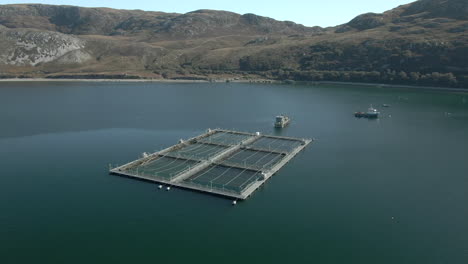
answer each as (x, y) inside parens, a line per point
(422, 43)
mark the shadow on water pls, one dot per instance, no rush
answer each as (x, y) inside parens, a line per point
(277, 131)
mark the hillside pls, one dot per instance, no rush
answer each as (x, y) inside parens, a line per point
(422, 43)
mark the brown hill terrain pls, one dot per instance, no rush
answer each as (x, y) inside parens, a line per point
(422, 43)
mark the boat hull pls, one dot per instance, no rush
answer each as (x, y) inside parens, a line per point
(281, 124)
(366, 115)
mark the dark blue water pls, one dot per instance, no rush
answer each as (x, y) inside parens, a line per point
(393, 190)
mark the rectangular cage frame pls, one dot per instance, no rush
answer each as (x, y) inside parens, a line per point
(223, 162)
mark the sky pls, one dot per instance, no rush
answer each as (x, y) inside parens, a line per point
(307, 12)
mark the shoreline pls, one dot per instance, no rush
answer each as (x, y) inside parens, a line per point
(138, 80)
(95, 80)
(383, 85)
(377, 85)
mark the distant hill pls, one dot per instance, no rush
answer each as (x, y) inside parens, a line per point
(422, 43)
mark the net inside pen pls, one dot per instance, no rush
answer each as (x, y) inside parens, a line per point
(276, 144)
(225, 138)
(162, 167)
(253, 159)
(224, 178)
(197, 151)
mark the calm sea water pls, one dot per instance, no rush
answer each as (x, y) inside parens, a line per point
(393, 190)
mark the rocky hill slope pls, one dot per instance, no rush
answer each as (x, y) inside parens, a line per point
(422, 43)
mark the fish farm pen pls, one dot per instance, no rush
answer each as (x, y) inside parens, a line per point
(223, 162)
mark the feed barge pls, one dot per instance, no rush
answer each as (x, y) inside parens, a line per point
(282, 121)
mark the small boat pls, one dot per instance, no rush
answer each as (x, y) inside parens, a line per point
(359, 114)
(282, 121)
(372, 112)
(385, 105)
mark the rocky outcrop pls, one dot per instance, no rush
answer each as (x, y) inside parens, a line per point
(31, 48)
(456, 9)
(367, 21)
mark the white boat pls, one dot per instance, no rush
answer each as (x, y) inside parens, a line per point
(372, 112)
